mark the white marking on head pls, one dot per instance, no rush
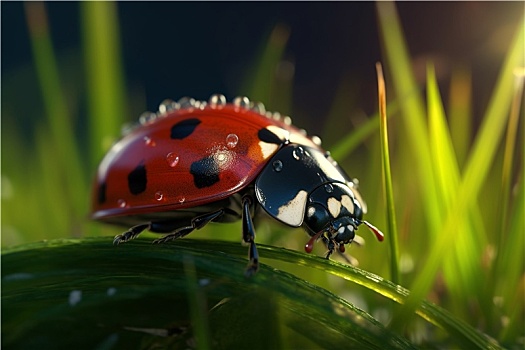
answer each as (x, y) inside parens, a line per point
(310, 212)
(334, 207)
(348, 203)
(292, 213)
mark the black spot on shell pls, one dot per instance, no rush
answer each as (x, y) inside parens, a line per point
(137, 179)
(205, 172)
(184, 128)
(267, 136)
(102, 193)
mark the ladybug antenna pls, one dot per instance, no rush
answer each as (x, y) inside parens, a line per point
(380, 236)
(310, 244)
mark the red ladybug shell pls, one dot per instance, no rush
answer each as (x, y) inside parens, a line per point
(186, 158)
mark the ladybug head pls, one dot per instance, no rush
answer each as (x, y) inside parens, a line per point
(334, 213)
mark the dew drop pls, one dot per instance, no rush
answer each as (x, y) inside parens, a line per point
(277, 165)
(122, 203)
(298, 153)
(328, 188)
(241, 101)
(317, 140)
(217, 100)
(258, 107)
(75, 297)
(147, 117)
(167, 106)
(172, 159)
(149, 142)
(232, 140)
(159, 196)
(186, 102)
(182, 200)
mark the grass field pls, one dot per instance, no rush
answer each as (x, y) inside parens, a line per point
(455, 205)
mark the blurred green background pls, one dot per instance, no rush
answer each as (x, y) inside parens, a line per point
(74, 73)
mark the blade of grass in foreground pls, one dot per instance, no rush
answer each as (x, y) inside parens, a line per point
(143, 290)
(387, 179)
(124, 276)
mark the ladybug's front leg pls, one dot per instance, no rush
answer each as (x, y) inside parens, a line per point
(248, 235)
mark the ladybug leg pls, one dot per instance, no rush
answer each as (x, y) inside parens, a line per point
(130, 234)
(248, 235)
(197, 223)
(330, 245)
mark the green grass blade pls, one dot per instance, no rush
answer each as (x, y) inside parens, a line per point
(57, 112)
(509, 262)
(412, 109)
(104, 74)
(262, 84)
(413, 112)
(460, 113)
(475, 173)
(510, 145)
(461, 271)
(345, 146)
(197, 304)
(387, 179)
(143, 290)
(509, 272)
(494, 120)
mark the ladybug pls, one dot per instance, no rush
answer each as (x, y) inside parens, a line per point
(196, 162)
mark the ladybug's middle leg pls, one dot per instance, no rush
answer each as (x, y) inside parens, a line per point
(248, 235)
(197, 223)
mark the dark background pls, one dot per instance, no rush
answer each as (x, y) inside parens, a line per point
(174, 49)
